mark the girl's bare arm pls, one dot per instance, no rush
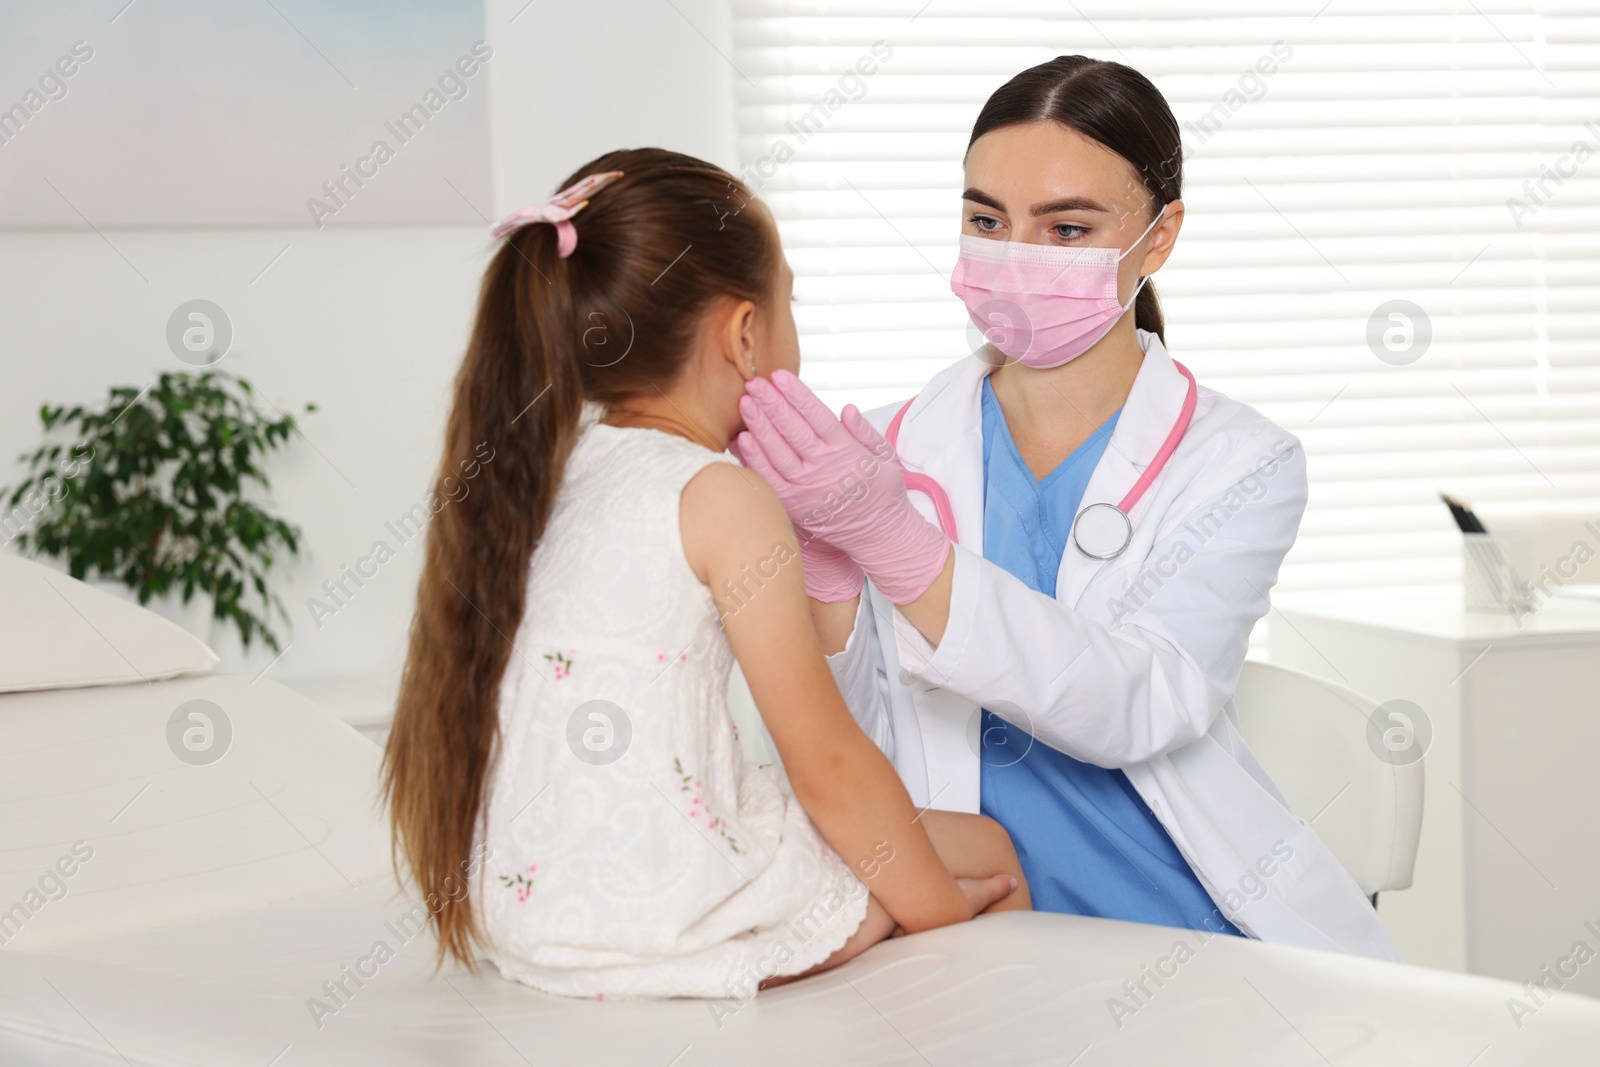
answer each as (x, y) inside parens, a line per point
(737, 539)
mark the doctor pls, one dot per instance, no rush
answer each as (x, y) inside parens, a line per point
(1068, 544)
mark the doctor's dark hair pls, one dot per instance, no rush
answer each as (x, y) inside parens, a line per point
(1109, 103)
(657, 248)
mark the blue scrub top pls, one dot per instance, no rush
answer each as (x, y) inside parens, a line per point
(1087, 842)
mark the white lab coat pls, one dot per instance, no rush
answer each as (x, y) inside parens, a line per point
(1133, 663)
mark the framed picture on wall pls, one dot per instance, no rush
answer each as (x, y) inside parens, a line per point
(309, 113)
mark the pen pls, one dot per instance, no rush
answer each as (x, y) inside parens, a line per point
(1466, 519)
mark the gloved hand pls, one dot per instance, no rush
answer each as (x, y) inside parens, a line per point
(841, 482)
(831, 575)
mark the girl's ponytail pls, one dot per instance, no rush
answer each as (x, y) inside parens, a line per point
(614, 319)
(517, 402)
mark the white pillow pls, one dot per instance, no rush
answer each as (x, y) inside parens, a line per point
(58, 633)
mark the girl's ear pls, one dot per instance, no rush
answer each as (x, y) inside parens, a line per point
(739, 338)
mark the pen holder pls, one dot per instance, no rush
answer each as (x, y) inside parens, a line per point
(1489, 580)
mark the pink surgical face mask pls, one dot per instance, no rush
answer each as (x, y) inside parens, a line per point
(1042, 305)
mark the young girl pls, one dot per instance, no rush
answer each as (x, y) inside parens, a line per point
(563, 712)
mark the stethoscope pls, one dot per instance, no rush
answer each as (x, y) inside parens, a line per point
(1101, 531)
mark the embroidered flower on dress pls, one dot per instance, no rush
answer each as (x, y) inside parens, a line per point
(562, 664)
(698, 814)
(522, 883)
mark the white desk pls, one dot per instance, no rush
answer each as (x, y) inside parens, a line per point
(1508, 869)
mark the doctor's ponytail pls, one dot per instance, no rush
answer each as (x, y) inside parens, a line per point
(1109, 103)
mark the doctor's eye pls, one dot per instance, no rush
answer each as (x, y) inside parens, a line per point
(985, 223)
(1068, 231)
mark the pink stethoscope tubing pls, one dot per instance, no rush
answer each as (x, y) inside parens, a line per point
(922, 483)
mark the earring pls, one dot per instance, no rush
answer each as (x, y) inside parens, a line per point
(752, 366)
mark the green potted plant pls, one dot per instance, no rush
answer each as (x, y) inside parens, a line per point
(149, 490)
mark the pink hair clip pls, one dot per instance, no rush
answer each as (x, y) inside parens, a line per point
(558, 211)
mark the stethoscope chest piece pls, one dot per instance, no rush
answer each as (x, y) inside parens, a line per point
(1102, 531)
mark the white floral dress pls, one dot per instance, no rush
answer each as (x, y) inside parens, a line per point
(632, 850)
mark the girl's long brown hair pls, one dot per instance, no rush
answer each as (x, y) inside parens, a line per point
(1106, 102)
(617, 318)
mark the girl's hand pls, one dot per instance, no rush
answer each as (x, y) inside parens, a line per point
(840, 481)
(982, 893)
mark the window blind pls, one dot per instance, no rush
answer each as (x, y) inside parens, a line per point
(1446, 155)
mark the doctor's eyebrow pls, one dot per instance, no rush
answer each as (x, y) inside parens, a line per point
(1070, 203)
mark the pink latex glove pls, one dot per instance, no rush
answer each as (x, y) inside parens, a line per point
(831, 575)
(840, 481)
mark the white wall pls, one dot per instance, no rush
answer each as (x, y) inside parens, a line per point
(368, 322)
(572, 80)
